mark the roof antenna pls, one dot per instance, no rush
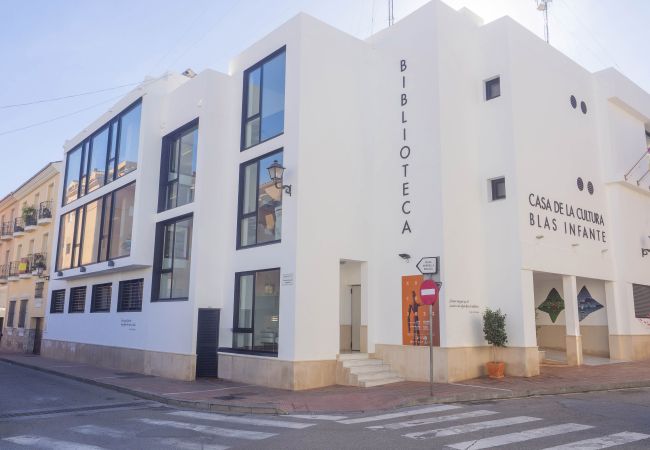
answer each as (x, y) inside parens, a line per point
(542, 5)
(391, 15)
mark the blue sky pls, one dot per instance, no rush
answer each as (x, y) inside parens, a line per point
(57, 48)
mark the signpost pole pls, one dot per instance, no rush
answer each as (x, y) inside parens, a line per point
(431, 350)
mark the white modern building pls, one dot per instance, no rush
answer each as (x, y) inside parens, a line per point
(441, 136)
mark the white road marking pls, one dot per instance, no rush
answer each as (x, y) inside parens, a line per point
(213, 431)
(94, 430)
(471, 427)
(505, 439)
(430, 420)
(603, 442)
(183, 445)
(316, 417)
(49, 444)
(242, 420)
(389, 416)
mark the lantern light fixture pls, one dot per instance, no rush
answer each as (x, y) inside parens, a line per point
(276, 173)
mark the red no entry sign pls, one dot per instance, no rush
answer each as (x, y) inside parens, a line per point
(429, 292)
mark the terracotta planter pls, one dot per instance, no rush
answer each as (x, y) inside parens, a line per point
(496, 369)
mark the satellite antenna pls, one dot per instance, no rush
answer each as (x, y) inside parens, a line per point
(542, 5)
(391, 16)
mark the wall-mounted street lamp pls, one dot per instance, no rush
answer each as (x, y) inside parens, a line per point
(276, 172)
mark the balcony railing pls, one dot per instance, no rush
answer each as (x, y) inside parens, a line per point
(30, 218)
(25, 265)
(39, 262)
(6, 228)
(13, 269)
(19, 225)
(45, 210)
(4, 272)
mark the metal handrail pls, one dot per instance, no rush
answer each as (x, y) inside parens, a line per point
(645, 153)
(45, 210)
(19, 224)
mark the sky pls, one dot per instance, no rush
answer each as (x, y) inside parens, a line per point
(52, 49)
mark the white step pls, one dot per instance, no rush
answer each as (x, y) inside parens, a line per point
(347, 356)
(370, 369)
(376, 376)
(361, 362)
(371, 383)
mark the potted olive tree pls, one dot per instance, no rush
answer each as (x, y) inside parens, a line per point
(494, 329)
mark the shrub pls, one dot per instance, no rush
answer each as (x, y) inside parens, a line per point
(494, 329)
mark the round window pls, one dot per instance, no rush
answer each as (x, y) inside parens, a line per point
(581, 184)
(574, 102)
(590, 188)
(583, 107)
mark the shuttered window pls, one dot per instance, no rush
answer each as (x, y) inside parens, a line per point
(38, 289)
(641, 301)
(130, 295)
(58, 301)
(77, 299)
(101, 299)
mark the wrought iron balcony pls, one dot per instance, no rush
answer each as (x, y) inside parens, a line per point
(4, 273)
(45, 212)
(25, 266)
(6, 230)
(12, 271)
(19, 225)
(30, 217)
(39, 263)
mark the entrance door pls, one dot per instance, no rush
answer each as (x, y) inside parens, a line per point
(355, 293)
(38, 335)
(207, 343)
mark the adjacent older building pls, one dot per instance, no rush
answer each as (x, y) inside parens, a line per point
(268, 225)
(26, 236)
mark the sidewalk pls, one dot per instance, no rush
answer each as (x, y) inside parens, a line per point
(228, 396)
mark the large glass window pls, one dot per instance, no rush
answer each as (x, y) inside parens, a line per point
(257, 311)
(263, 105)
(172, 260)
(178, 171)
(260, 204)
(97, 231)
(105, 156)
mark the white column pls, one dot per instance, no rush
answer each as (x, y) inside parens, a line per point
(528, 308)
(573, 339)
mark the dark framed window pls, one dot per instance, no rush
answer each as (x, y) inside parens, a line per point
(260, 203)
(498, 186)
(77, 303)
(101, 298)
(57, 302)
(178, 167)
(11, 313)
(257, 311)
(129, 295)
(493, 88)
(641, 295)
(106, 155)
(38, 289)
(263, 100)
(22, 314)
(97, 231)
(172, 260)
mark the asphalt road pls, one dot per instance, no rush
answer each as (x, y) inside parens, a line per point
(42, 411)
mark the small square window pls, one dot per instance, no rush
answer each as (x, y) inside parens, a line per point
(498, 188)
(493, 88)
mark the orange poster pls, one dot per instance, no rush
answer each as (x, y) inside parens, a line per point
(415, 315)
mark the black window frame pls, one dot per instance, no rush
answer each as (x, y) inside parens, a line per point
(158, 253)
(235, 320)
(22, 313)
(488, 84)
(54, 307)
(240, 200)
(120, 295)
(86, 151)
(494, 188)
(11, 314)
(73, 291)
(77, 243)
(244, 119)
(167, 140)
(93, 298)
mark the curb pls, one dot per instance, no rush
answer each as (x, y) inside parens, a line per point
(195, 405)
(272, 410)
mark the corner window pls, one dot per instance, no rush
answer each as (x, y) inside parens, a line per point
(263, 100)
(178, 167)
(97, 231)
(77, 303)
(493, 88)
(106, 155)
(101, 298)
(498, 188)
(172, 260)
(129, 295)
(260, 203)
(57, 302)
(257, 311)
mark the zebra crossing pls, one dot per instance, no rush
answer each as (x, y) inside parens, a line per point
(453, 426)
(538, 433)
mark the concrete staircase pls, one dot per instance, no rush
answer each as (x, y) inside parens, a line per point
(359, 369)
